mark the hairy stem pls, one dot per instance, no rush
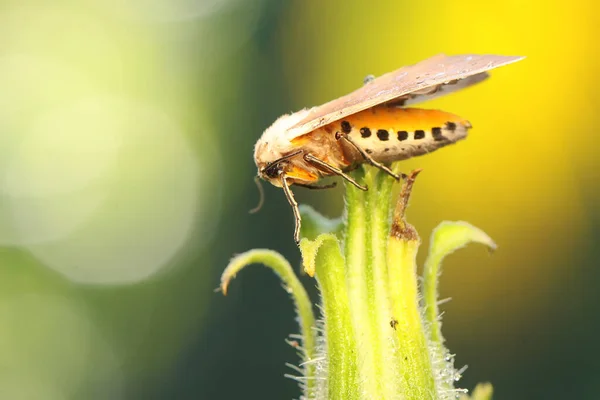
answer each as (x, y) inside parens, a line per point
(384, 346)
(418, 382)
(355, 250)
(342, 375)
(380, 339)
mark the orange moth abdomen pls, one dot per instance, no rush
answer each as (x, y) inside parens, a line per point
(387, 134)
(393, 133)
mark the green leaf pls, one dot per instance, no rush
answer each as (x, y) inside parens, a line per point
(445, 239)
(281, 267)
(310, 249)
(313, 226)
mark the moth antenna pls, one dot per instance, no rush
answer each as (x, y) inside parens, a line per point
(261, 194)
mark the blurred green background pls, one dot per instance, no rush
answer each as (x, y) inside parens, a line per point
(126, 138)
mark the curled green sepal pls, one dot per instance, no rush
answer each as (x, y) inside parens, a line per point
(315, 228)
(310, 249)
(483, 391)
(445, 239)
(282, 267)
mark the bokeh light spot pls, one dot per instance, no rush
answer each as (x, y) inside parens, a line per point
(32, 85)
(148, 196)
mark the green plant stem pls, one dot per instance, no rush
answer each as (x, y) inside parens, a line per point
(377, 341)
(355, 250)
(418, 382)
(302, 302)
(342, 371)
(417, 374)
(384, 346)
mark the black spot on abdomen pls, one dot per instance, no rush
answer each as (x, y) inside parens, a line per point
(382, 134)
(365, 132)
(451, 126)
(419, 134)
(402, 135)
(346, 127)
(437, 134)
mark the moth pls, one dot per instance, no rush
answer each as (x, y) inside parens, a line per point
(370, 125)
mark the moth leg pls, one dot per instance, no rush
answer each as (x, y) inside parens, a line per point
(334, 170)
(367, 157)
(317, 187)
(290, 198)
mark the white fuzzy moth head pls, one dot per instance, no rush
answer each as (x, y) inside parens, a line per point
(274, 153)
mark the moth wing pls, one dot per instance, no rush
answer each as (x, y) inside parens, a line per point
(438, 90)
(434, 77)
